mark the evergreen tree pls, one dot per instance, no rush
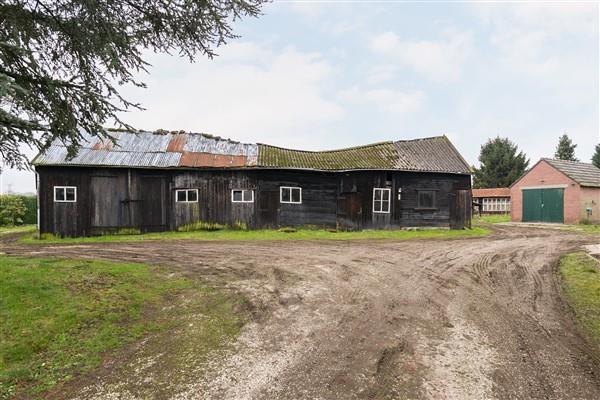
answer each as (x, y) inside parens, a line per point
(565, 149)
(596, 156)
(500, 164)
(61, 62)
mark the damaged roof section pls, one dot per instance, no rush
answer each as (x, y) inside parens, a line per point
(179, 149)
(154, 150)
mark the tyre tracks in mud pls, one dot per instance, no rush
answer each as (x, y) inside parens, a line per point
(461, 318)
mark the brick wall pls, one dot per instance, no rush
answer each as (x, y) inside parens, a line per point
(543, 174)
(590, 197)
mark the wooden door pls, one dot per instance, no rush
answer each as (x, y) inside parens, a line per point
(349, 211)
(153, 210)
(268, 209)
(460, 209)
(107, 195)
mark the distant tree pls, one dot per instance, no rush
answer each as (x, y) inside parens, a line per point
(12, 210)
(61, 62)
(565, 150)
(596, 156)
(500, 164)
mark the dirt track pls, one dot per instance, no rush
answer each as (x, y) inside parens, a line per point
(453, 319)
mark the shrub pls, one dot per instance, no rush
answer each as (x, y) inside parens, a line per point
(12, 210)
(30, 203)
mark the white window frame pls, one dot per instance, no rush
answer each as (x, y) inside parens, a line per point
(186, 195)
(389, 200)
(242, 190)
(65, 196)
(281, 188)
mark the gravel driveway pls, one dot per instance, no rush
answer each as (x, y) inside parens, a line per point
(478, 318)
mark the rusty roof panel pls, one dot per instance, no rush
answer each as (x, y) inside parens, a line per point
(177, 143)
(192, 159)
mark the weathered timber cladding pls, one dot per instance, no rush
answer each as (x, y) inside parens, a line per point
(109, 199)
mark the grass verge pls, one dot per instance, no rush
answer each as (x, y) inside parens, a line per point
(265, 234)
(60, 318)
(5, 230)
(490, 219)
(581, 283)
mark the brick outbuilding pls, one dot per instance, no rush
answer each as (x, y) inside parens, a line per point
(557, 191)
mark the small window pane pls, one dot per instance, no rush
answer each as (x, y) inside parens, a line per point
(385, 195)
(247, 195)
(296, 195)
(70, 194)
(377, 194)
(385, 205)
(377, 206)
(192, 195)
(237, 195)
(181, 195)
(59, 194)
(285, 195)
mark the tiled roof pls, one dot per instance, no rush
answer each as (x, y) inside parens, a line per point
(583, 173)
(491, 192)
(194, 150)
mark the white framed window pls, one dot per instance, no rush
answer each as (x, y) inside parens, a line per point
(65, 194)
(289, 194)
(242, 196)
(186, 195)
(381, 200)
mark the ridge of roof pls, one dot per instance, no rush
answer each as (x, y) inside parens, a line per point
(376, 144)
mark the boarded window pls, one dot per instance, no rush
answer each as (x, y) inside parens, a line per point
(65, 194)
(381, 200)
(186, 195)
(292, 195)
(426, 199)
(242, 195)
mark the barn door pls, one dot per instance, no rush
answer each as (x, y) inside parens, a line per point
(268, 209)
(153, 210)
(460, 209)
(349, 211)
(107, 194)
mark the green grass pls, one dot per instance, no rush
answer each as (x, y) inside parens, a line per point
(581, 283)
(491, 219)
(16, 229)
(58, 318)
(265, 234)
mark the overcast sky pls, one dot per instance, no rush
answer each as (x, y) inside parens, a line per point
(319, 75)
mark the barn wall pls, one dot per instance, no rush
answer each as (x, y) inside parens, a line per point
(319, 198)
(110, 199)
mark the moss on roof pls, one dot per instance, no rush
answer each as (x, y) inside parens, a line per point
(375, 156)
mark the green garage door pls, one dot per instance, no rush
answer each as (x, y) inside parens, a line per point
(543, 205)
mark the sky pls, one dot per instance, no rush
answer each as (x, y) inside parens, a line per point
(323, 75)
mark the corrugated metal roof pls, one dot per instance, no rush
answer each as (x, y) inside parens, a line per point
(154, 150)
(194, 150)
(583, 173)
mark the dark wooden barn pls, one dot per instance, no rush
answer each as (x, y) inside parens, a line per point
(157, 181)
